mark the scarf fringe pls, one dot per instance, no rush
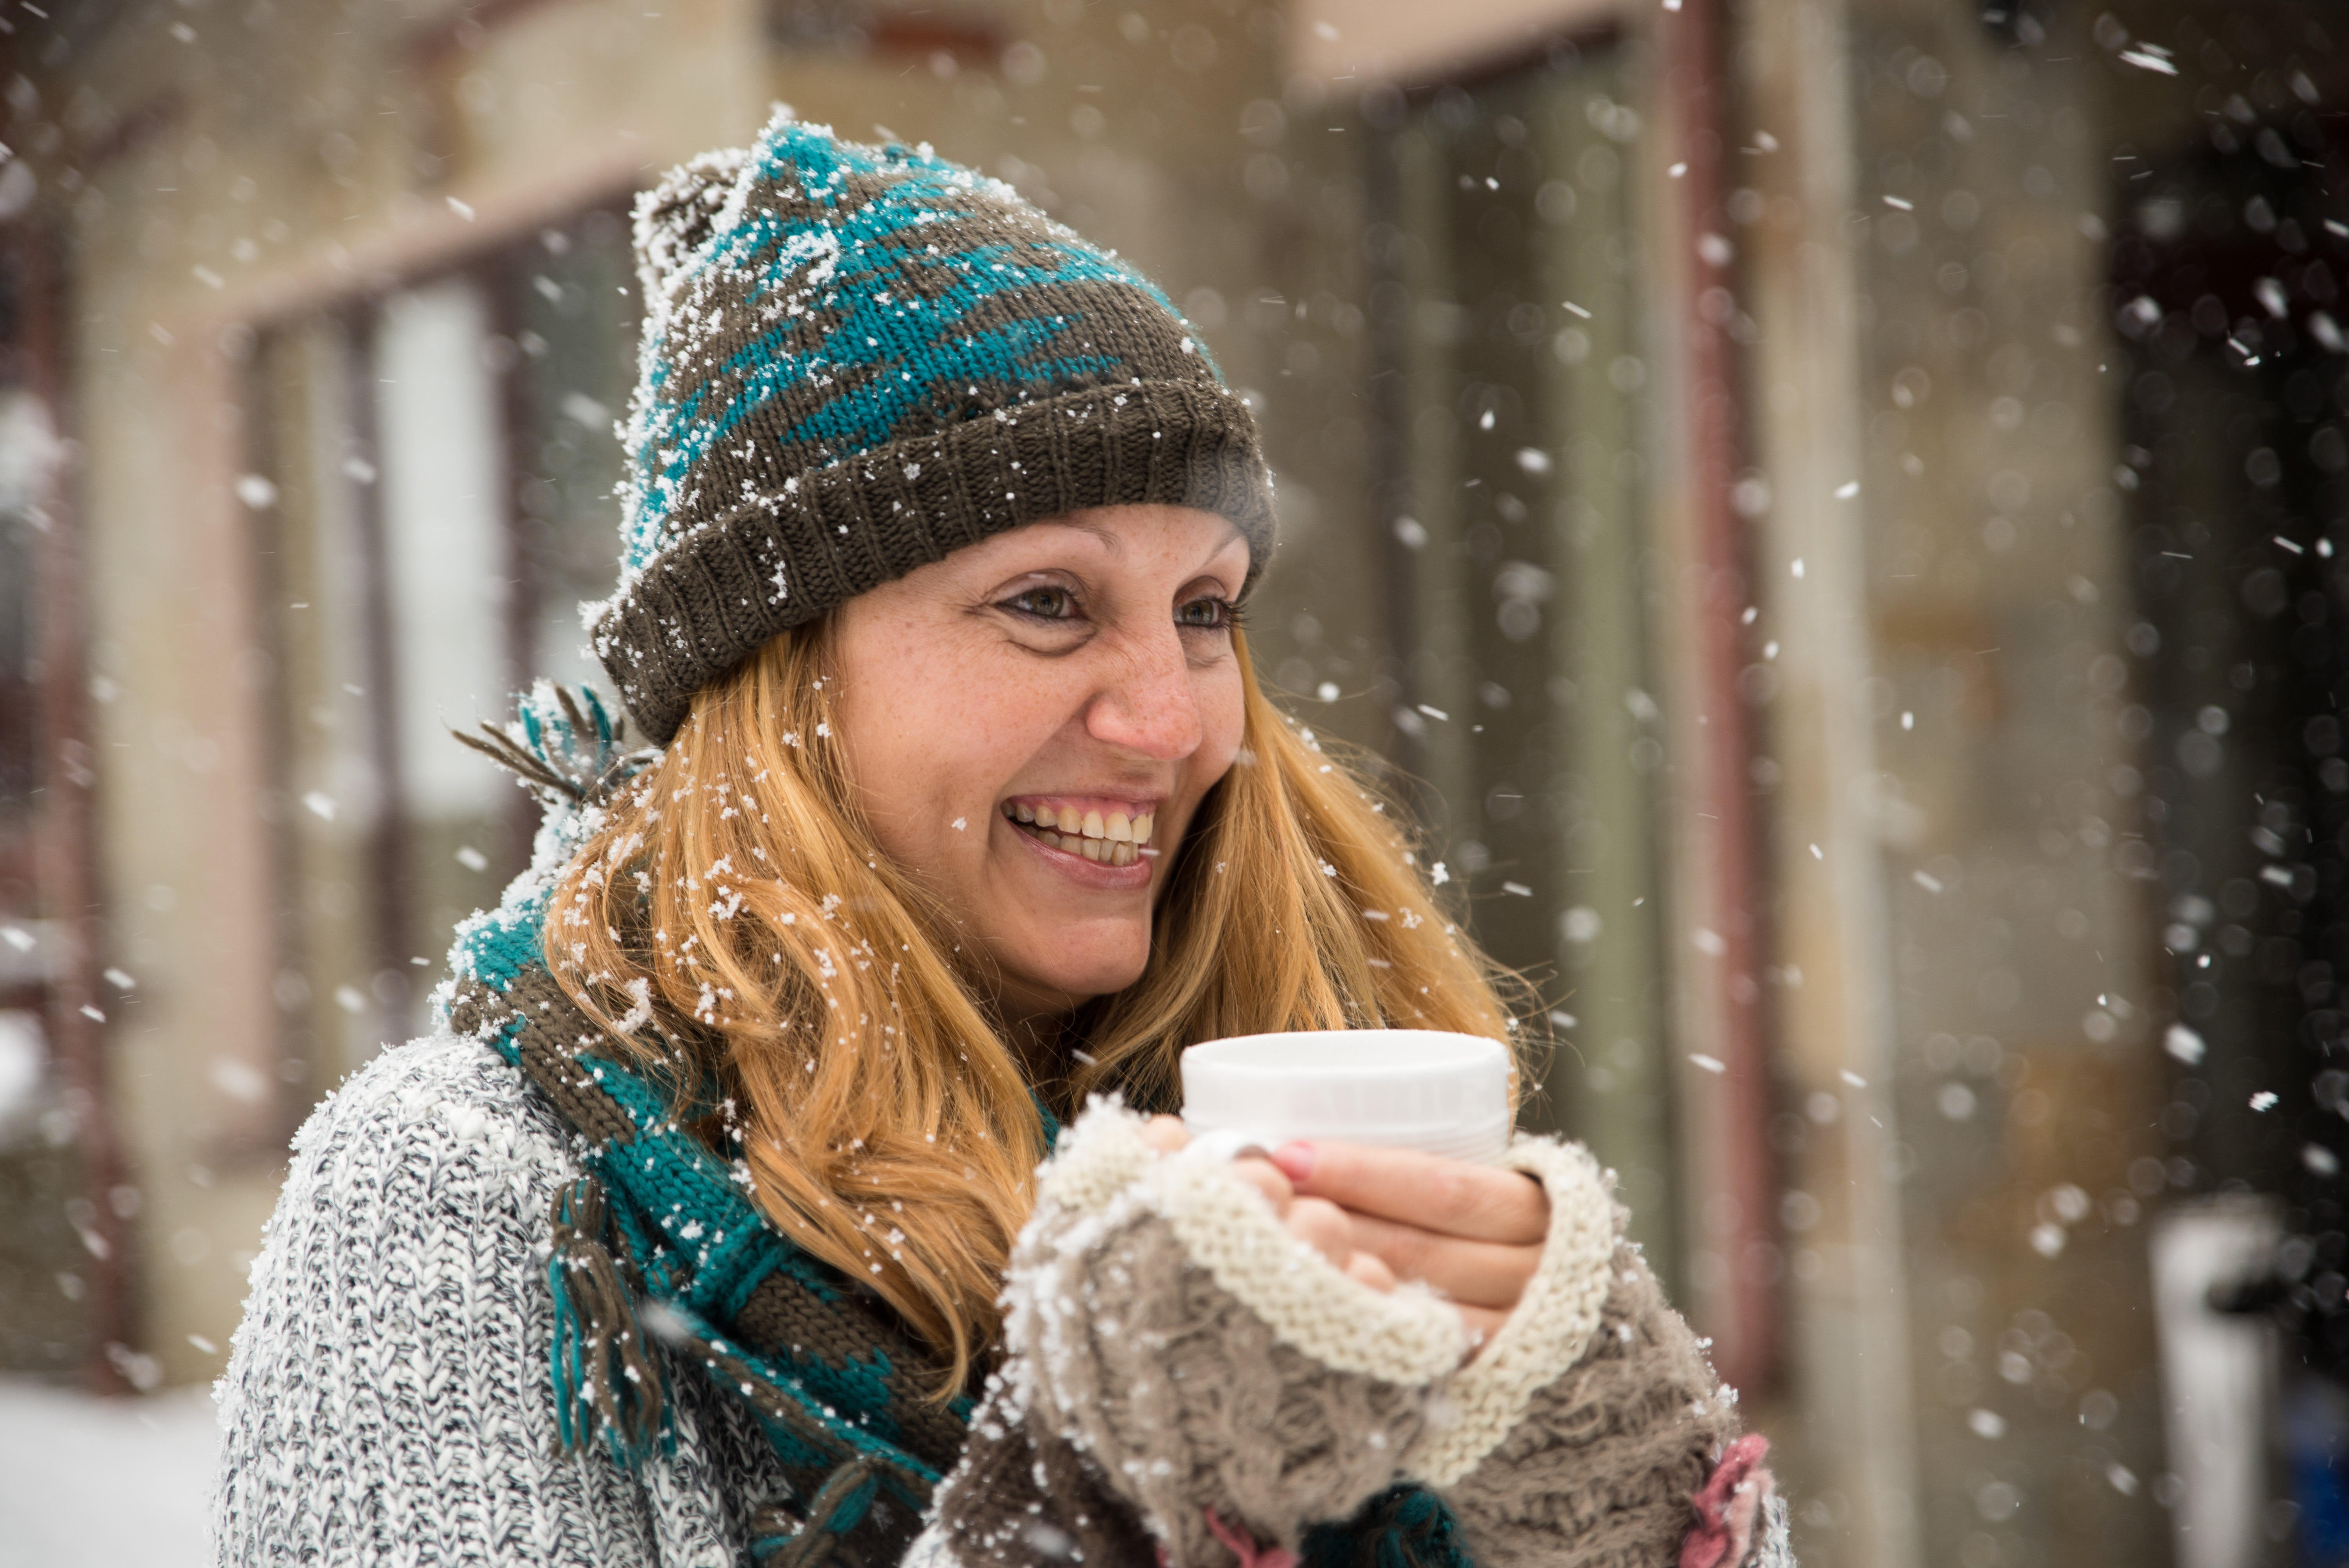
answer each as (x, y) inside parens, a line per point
(837, 1508)
(566, 750)
(605, 1374)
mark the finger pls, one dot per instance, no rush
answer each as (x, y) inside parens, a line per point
(1452, 1197)
(1477, 1274)
(1166, 1134)
(1323, 1227)
(1266, 1179)
(1371, 1272)
(1483, 1323)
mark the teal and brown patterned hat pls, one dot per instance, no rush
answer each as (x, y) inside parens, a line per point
(856, 359)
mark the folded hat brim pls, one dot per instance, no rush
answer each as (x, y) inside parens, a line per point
(718, 591)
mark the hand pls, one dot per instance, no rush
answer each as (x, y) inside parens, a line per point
(1472, 1233)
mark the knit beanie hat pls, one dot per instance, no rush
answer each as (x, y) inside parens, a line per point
(856, 359)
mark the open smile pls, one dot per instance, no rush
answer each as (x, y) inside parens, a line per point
(1108, 832)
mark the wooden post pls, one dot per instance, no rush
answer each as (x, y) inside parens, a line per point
(1732, 1158)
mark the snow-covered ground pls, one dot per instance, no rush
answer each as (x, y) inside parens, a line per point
(87, 1483)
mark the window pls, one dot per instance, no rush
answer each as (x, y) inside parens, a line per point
(1508, 305)
(45, 1260)
(433, 481)
(2233, 458)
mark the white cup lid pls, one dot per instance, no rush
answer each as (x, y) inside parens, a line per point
(1405, 1088)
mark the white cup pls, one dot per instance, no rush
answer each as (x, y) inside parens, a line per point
(1396, 1088)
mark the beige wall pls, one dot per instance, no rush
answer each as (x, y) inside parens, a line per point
(1344, 43)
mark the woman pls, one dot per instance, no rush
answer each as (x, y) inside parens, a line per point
(710, 1227)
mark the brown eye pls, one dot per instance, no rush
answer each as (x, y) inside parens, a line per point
(1209, 615)
(1044, 604)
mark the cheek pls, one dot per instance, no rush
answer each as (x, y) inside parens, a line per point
(932, 732)
(1222, 721)
(889, 716)
(1223, 728)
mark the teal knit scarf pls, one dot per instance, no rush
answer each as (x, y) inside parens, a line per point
(659, 1238)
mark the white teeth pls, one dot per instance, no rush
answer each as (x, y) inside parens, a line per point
(1114, 838)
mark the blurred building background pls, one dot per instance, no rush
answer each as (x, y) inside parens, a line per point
(1834, 508)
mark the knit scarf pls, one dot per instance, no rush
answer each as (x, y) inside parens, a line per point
(659, 1238)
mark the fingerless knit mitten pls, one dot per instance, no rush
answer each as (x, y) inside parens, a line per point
(1181, 1371)
(1196, 1358)
(1585, 1428)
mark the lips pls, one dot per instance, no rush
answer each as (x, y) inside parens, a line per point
(1108, 831)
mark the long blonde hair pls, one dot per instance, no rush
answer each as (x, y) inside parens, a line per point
(888, 1125)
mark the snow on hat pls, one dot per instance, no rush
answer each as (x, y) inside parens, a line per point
(856, 359)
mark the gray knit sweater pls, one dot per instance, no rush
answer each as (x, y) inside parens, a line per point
(388, 1398)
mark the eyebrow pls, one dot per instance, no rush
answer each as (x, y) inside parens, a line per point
(1115, 545)
(1107, 536)
(1232, 535)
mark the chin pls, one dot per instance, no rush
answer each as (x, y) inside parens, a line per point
(1083, 978)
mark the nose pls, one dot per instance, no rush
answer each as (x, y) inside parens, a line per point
(1146, 703)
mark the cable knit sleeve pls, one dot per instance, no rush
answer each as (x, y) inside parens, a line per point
(388, 1398)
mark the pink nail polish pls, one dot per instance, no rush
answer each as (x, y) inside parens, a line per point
(1295, 1161)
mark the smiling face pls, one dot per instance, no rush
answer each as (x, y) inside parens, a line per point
(1031, 724)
